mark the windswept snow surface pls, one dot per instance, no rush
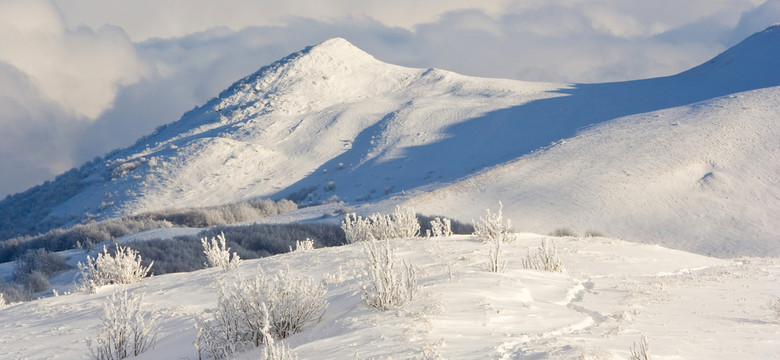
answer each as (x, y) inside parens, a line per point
(688, 306)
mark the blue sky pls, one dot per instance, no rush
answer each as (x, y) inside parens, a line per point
(81, 77)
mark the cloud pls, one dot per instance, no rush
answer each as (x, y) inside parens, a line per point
(80, 69)
(81, 77)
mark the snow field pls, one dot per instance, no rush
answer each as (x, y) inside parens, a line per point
(688, 306)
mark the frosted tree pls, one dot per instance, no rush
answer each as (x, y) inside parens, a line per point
(126, 330)
(3, 304)
(218, 254)
(121, 267)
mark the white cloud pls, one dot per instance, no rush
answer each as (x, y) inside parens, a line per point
(78, 69)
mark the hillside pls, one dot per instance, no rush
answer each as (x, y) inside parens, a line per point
(688, 161)
(688, 306)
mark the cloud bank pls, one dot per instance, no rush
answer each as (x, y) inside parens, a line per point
(81, 77)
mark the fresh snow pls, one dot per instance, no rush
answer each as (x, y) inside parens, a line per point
(686, 162)
(688, 306)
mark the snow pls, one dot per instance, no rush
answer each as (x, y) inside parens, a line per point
(684, 168)
(688, 161)
(688, 306)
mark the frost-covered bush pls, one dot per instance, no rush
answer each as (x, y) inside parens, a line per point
(121, 267)
(456, 226)
(271, 349)
(562, 232)
(405, 222)
(304, 245)
(41, 260)
(774, 305)
(441, 227)
(546, 258)
(386, 287)
(357, 229)
(495, 264)
(293, 303)
(218, 254)
(127, 331)
(13, 292)
(641, 352)
(3, 303)
(401, 224)
(493, 228)
(93, 232)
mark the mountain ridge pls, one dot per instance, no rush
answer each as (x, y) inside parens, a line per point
(331, 122)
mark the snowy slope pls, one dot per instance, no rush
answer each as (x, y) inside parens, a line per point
(689, 160)
(688, 306)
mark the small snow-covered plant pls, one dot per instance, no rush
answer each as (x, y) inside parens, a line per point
(546, 258)
(641, 352)
(405, 222)
(441, 227)
(492, 227)
(293, 303)
(3, 303)
(356, 228)
(304, 245)
(127, 331)
(773, 304)
(386, 287)
(494, 262)
(122, 267)
(273, 350)
(218, 254)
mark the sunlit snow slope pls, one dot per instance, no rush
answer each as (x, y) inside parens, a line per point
(690, 160)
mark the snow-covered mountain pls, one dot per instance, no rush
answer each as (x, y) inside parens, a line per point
(689, 161)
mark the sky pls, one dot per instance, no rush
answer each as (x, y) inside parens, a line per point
(79, 78)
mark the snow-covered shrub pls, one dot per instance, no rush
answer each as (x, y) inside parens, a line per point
(641, 352)
(304, 245)
(356, 228)
(774, 305)
(293, 302)
(562, 232)
(593, 233)
(123, 267)
(493, 228)
(218, 254)
(405, 222)
(494, 256)
(271, 349)
(386, 287)
(546, 258)
(127, 331)
(456, 226)
(441, 227)
(3, 303)
(401, 224)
